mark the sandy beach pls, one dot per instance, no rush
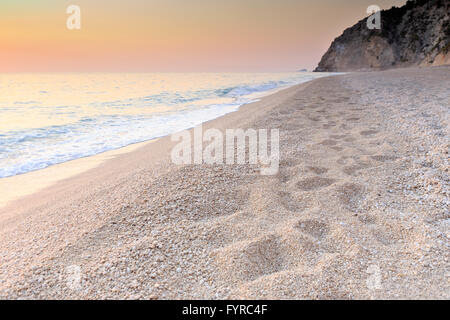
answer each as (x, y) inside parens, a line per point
(358, 210)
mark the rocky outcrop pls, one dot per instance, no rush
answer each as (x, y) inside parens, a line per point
(416, 34)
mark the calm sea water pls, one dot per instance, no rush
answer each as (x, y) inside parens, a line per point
(47, 119)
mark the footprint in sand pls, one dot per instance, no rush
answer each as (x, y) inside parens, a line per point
(351, 195)
(288, 162)
(314, 183)
(328, 142)
(318, 170)
(288, 202)
(367, 218)
(338, 136)
(283, 176)
(247, 261)
(350, 139)
(354, 169)
(383, 158)
(285, 111)
(368, 132)
(315, 119)
(385, 237)
(283, 172)
(314, 228)
(291, 126)
(329, 125)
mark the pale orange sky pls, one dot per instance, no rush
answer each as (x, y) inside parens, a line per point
(174, 35)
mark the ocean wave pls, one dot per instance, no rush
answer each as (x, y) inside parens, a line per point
(110, 125)
(40, 148)
(244, 90)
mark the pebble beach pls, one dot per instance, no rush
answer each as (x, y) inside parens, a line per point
(358, 210)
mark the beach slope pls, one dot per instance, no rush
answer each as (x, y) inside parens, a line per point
(358, 210)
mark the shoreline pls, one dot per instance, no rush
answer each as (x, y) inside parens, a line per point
(31, 182)
(357, 210)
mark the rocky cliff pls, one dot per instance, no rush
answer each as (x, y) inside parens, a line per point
(416, 34)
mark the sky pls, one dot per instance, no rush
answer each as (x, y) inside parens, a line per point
(174, 35)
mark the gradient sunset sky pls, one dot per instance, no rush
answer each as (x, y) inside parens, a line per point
(174, 35)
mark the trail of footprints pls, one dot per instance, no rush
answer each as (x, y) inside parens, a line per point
(308, 232)
(297, 237)
(293, 232)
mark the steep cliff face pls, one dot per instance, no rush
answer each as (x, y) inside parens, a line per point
(416, 34)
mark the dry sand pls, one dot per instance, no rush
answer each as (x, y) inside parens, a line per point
(359, 209)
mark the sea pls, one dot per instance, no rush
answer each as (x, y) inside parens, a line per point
(47, 118)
